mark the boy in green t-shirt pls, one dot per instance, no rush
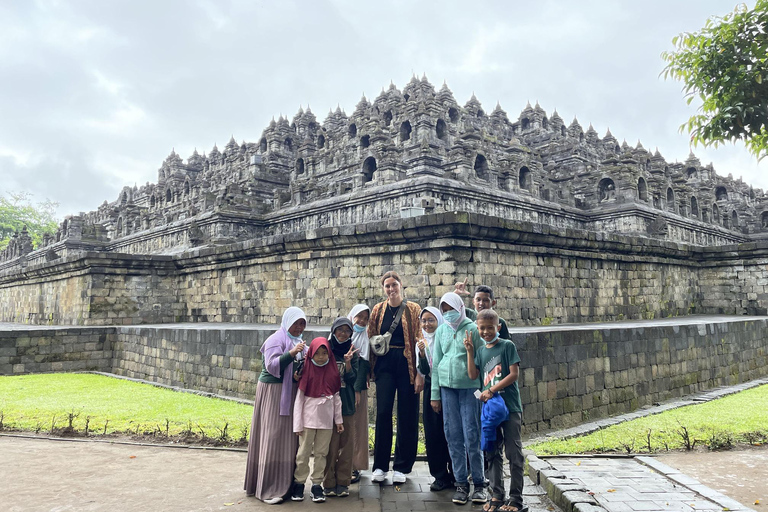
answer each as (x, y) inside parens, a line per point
(498, 365)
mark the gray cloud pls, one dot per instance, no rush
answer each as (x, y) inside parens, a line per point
(95, 94)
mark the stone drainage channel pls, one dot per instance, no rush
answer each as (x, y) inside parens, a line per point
(626, 483)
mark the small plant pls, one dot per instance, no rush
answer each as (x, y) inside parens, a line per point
(87, 424)
(244, 433)
(2, 419)
(688, 440)
(223, 432)
(648, 444)
(53, 423)
(719, 440)
(167, 427)
(106, 423)
(71, 417)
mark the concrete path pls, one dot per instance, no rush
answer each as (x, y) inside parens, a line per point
(624, 484)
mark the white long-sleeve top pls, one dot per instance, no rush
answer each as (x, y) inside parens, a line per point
(321, 413)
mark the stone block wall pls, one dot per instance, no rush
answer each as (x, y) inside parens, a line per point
(569, 376)
(56, 350)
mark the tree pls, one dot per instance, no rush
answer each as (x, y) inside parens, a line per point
(17, 211)
(725, 66)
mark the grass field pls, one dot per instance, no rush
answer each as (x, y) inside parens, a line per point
(741, 418)
(56, 402)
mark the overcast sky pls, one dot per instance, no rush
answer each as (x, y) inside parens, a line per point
(95, 94)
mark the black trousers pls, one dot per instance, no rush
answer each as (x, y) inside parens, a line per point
(438, 458)
(392, 378)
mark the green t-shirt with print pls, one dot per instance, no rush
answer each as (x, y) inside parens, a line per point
(493, 364)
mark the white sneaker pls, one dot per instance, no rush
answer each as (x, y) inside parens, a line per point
(398, 477)
(274, 501)
(378, 475)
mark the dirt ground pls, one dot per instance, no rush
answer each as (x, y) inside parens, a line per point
(741, 474)
(46, 475)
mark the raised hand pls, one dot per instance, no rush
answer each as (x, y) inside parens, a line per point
(422, 347)
(297, 349)
(351, 352)
(468, 342)
(460, 288)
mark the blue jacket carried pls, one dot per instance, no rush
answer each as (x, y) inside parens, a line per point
(494, 413)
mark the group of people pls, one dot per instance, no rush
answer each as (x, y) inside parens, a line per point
(311, 400)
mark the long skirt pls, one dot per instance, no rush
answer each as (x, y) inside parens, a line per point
(272, 447)
(360, 457)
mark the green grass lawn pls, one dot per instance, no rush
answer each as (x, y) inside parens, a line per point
(741, 418)
(44, 403)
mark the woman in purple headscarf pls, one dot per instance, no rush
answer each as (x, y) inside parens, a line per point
(272, 446)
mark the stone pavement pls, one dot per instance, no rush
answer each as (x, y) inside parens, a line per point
(623, 484)
(415, 495)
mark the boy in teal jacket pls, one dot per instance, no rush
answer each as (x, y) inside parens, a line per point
(453, 392)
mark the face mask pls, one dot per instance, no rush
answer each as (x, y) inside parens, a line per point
(297, 339)
(315, 363)
(358, 328)
(494, 338)
(451, 316)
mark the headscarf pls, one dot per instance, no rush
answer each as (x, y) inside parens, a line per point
(339, 349)
(453, 300)
(317, 381)
(360, 339)
(429, 338)
(275, 346)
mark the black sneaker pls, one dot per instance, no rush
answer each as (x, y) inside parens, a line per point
(479, 496)
(355, 476)
(330, 491)
(342, 491)
(439, 485)
(316, 493)
(461, 495)
(297, 493)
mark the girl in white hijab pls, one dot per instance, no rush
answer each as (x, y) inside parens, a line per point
(359, 316)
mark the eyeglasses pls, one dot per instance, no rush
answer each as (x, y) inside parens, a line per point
(429, 320)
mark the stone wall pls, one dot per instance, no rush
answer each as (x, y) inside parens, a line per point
(47, 350)
(568, 373)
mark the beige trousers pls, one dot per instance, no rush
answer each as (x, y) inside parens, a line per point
(317, 440)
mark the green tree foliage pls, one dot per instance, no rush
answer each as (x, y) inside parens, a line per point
(724, 65)
(17, 211)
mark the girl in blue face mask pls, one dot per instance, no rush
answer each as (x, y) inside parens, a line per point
(452, 393)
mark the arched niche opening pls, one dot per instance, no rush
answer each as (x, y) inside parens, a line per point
(642, 189)
(168, 196)
(692, 173)
(320, 141)
(721, 194)
(525, 123)
(481, 167)
(152, 201)
(299, 166)
(312, 127)
(453, 114)
(647, 164)
(480, 113)
(715, 214)
(704, 215)
(288, 144)
(694, 207)
(606, 190)
(369, 167)
(670, 199)
(734, 220)
(524, 178)
(545, 123)
(581, 137)
(764, 220)
(405, 131)
(293, 127)
(186, 188)
(406, 97)
(353, 130)
(365, 141)
(441, 129)
(119, 231)
(263, 145)
(563, 133)
(387, 118)
(124, 198)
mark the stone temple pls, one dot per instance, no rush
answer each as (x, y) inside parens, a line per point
(567, 227)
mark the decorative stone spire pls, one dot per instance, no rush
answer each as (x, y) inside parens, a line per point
(591, 134)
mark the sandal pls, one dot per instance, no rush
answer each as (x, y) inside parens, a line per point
(509, 507)
(493, 505)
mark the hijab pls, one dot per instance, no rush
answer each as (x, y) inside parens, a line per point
(339, 349)
(429, 338)
(453, 300)
(275, 346)
(360, 339)
(317, 381)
